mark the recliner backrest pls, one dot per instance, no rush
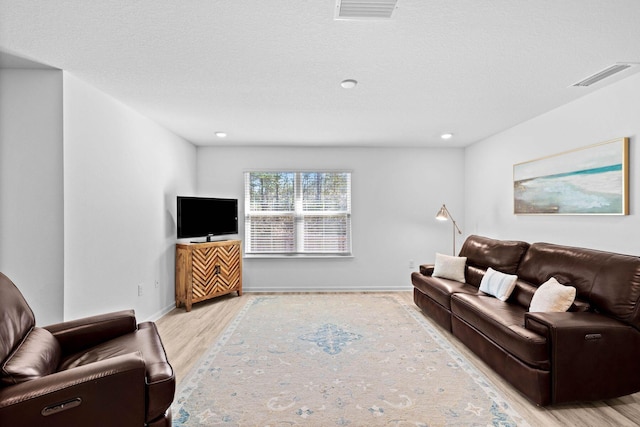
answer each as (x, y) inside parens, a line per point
(501, 255)
(16, 317)
(610, 282)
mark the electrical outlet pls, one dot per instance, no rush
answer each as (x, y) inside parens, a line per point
(140, 290)
(412, 264)
(157, 284)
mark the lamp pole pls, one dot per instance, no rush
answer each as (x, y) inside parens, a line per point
(444, 214)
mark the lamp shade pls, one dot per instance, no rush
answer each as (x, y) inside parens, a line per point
(442, 214)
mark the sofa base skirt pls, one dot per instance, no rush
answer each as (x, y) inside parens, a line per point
(535, 384)
(441, 315)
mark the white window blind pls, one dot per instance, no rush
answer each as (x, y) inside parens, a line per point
(303, 213)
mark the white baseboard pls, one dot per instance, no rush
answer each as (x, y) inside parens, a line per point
(158, 314)
(329, 289)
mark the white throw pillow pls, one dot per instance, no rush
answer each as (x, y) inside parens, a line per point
(450, 267)
(498, 284)
(552, 296)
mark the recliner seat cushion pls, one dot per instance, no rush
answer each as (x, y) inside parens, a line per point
(440, 290)
(503, 323)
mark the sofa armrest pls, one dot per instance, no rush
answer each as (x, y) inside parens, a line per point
(426, 269)
(80, 334)
(106, 393)
(591, 355)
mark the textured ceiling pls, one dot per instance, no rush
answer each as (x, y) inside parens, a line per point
(269, 72)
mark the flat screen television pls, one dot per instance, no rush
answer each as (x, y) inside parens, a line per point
(206, 216)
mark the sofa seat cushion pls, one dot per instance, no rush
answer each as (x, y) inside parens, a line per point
(159, 374)
(503, 323)
(440, 290)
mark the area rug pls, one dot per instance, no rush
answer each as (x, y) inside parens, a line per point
(336, 360)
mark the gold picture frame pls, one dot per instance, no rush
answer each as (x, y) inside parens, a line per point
(592, 180)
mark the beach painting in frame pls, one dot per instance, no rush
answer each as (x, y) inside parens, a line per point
(593, 180)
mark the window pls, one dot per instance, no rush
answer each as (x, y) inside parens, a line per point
(298, 213)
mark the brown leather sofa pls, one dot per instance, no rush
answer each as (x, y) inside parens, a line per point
(591, 352)
(104, 370)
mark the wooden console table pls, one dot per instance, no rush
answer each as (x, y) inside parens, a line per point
(207, 270)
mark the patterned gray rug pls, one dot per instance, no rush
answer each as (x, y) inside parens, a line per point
(336, 360)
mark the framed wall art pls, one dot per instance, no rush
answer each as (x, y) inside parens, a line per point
(593, 180)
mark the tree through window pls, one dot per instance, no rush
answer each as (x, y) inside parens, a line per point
(298, 213)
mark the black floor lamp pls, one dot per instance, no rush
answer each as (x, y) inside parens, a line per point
(443, 215)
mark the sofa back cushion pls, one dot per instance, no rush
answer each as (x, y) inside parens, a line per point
(610, 282)
(473, 275)
(501, 255)
(17, 317)
(522, 293)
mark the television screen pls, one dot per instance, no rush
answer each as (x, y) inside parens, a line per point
(205, 216)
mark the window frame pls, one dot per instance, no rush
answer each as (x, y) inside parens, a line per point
(298, 214)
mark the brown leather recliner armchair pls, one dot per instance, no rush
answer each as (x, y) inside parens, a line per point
(103, 370)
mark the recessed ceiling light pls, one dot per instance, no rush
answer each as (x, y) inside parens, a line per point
(221, 134)
(446, 136)
(349, 83)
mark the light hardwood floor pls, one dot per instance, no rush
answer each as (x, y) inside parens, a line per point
(187, 336)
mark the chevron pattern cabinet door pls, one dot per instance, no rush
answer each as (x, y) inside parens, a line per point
(207, 270)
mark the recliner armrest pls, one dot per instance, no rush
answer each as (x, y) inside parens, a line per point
(569, 322)
(86, 395)
(426, 269)
(80, 334)
(592, 355)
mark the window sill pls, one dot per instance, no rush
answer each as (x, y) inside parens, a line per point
(296, 256)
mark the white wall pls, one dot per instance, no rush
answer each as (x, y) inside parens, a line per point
(31, 207)
(396, 194)
(606, 114)
(114, 227)
(122, 173)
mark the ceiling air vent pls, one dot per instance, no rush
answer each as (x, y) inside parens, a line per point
(365, 9)
(607, 72)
